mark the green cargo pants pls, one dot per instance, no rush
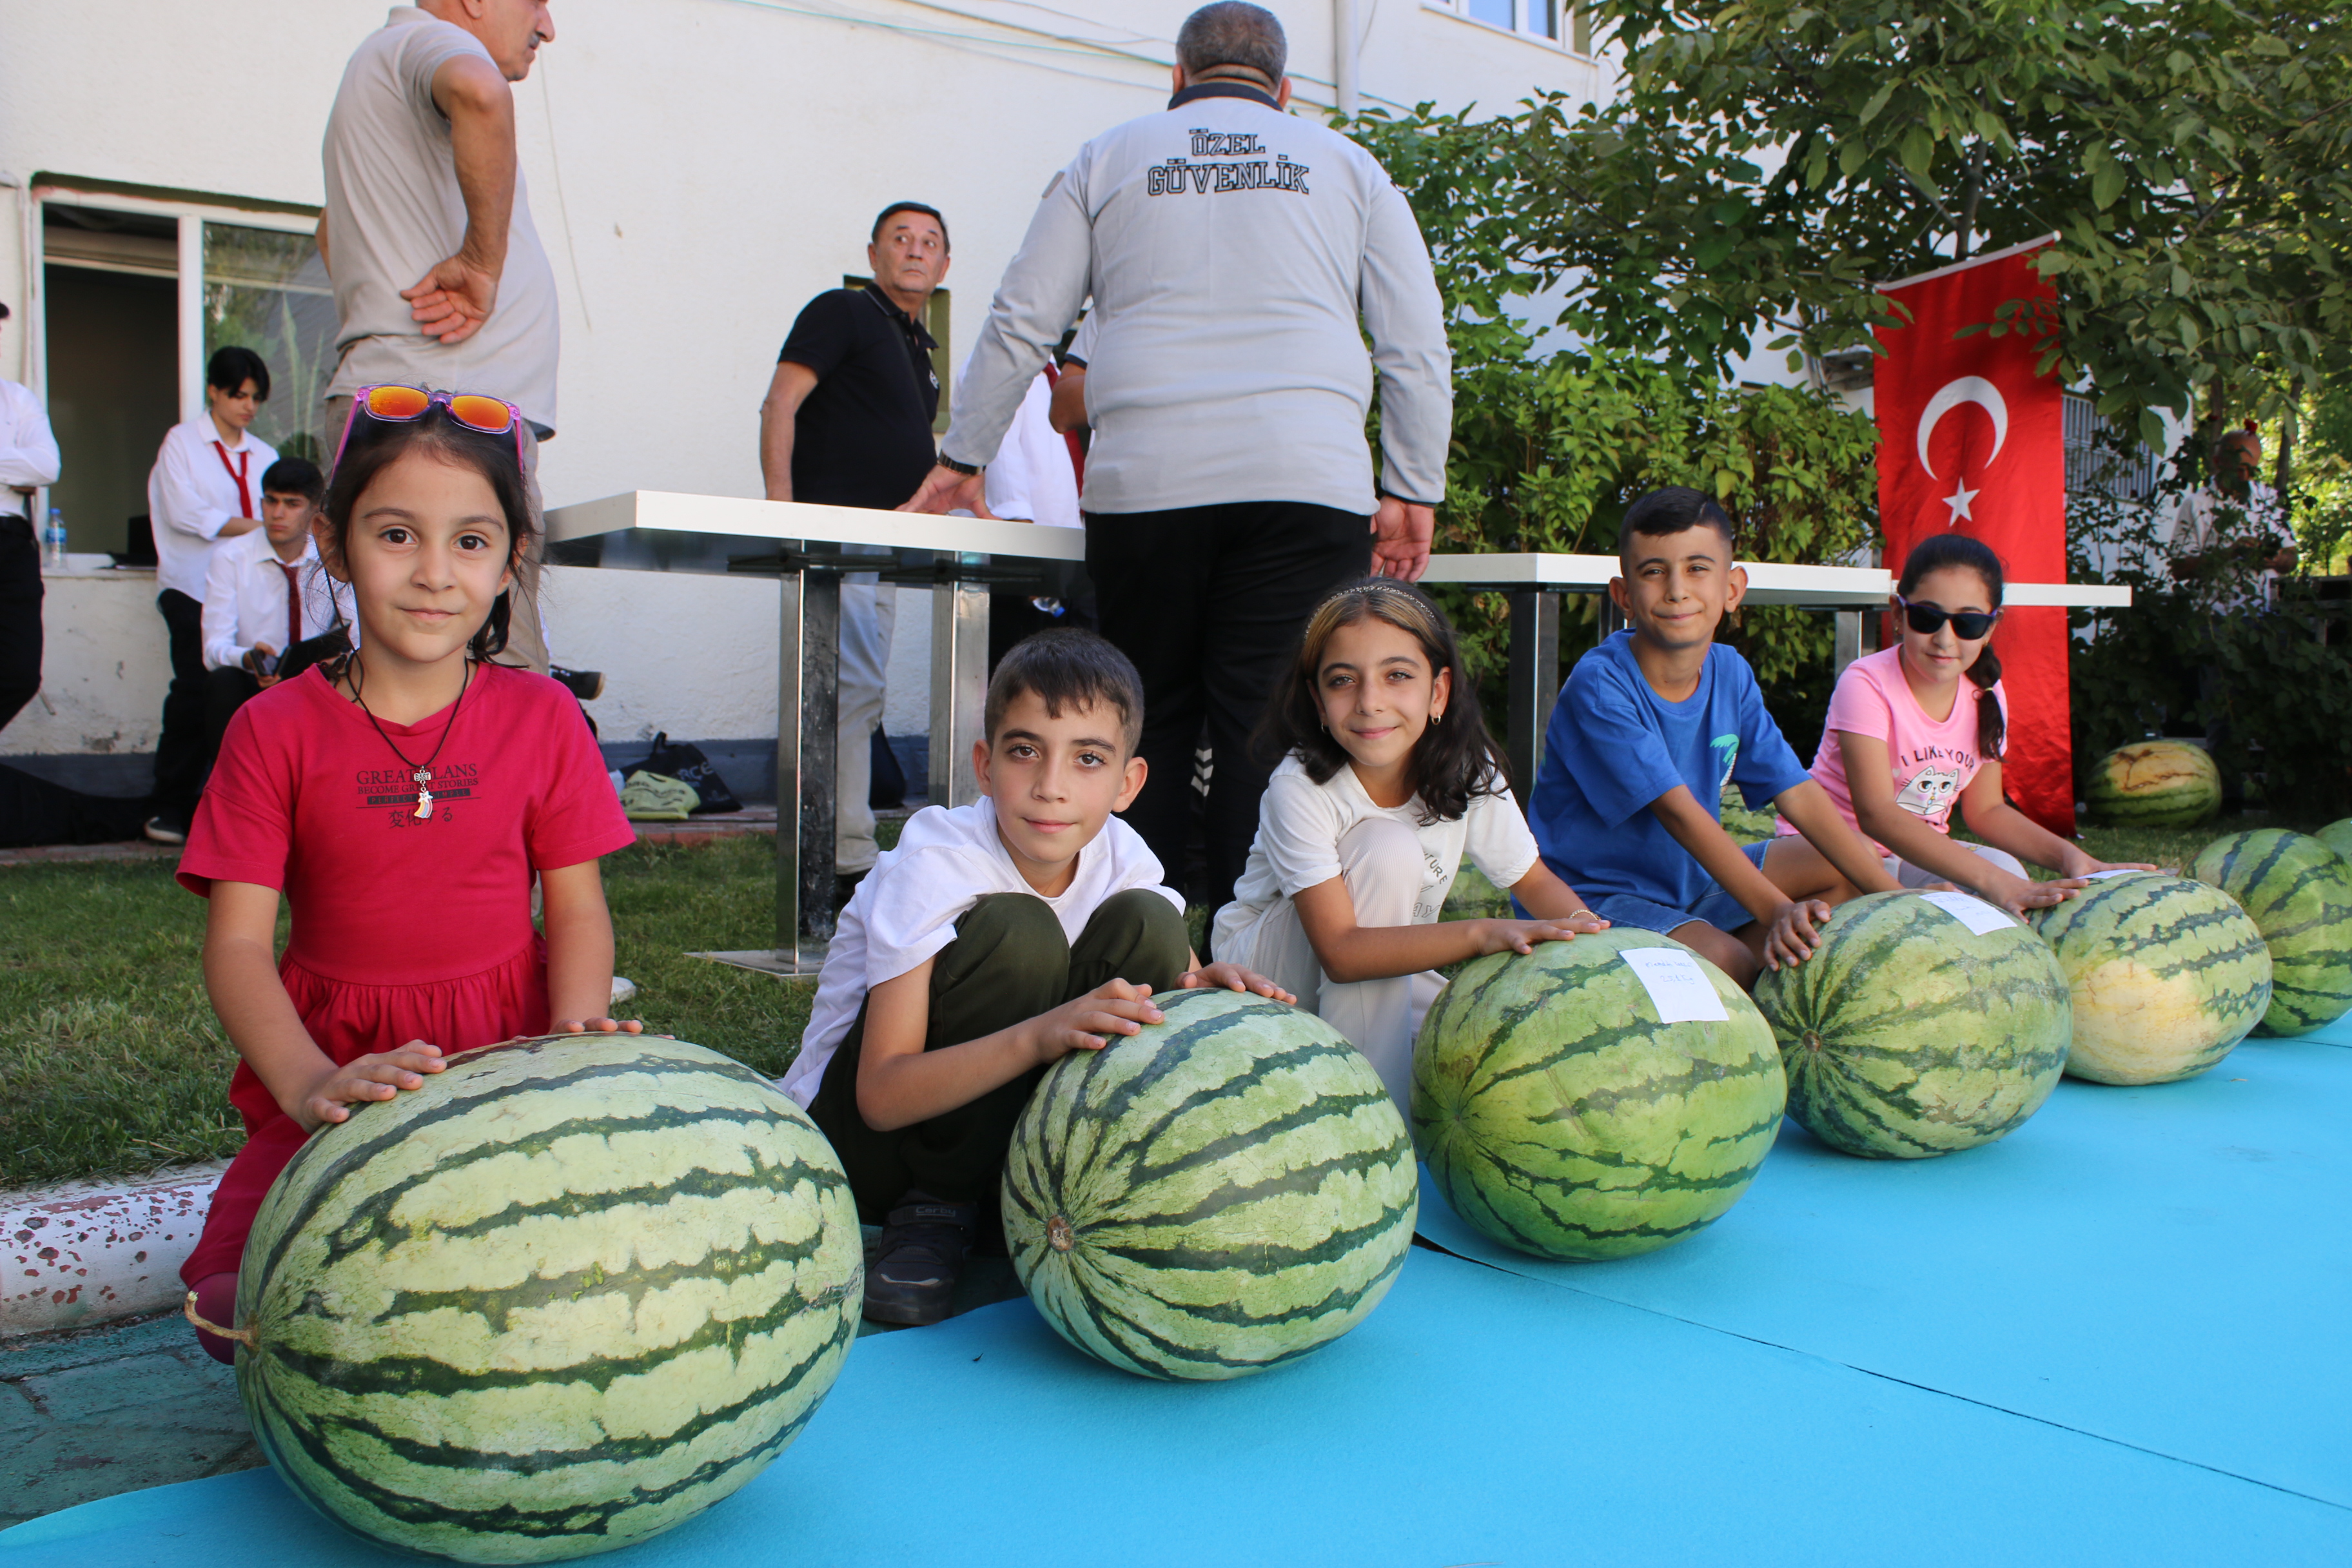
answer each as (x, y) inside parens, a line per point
(1009, 963)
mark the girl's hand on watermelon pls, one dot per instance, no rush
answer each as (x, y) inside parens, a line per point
(2075, 863)
(600, 1027)
(2019, 896)
(1113, 1008)
(1791, 938)
(380, 1075)
(1521, 936)
(1233, 977)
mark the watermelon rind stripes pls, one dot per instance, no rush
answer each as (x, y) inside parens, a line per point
(2167, 975)
(1906, 1034)
(2153, 783)
(2299, 893)
(567, 1295)
(1227, 1190)
(1561, 1117)
(2338, 836)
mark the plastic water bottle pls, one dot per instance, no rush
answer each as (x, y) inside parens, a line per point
(53, 541)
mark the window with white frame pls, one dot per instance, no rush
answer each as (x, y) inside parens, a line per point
(1563, 23)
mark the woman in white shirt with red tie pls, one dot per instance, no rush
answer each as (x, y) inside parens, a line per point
(206, 488)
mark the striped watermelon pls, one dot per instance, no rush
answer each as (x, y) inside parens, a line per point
(2153, 783)
(1908, 1035)
(1228, 1190)
(1561, 1117)
(2338, 836)
(570, 1293)
(2167, 974)
(2299, 893)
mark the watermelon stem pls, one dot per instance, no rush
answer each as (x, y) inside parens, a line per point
(242, 1336)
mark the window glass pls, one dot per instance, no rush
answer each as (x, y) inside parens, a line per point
(1498, 12)
(1543, 18)
(268, 292)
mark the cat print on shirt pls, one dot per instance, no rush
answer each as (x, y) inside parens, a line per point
(1929, 792)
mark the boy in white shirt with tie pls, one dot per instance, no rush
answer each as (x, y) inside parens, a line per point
(264, 593)
(206, 488)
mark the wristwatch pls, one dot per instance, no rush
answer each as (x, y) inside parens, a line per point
(947, 462)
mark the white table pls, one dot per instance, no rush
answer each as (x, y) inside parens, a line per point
(961, 558)
(810, 548)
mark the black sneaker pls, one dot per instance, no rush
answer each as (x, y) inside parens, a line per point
(166, 830)
(585, 684)
(920, 1260)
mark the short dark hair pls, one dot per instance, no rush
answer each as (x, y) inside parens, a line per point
(374, 444)
(231, 368)
(295, 476)
(1236, 33)
(1674, 509)
(3, 309)
(1067, 667)
(930, 212)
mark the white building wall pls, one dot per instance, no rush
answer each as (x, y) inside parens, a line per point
(698, 169)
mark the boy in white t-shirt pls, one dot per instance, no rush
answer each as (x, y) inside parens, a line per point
(995, 940)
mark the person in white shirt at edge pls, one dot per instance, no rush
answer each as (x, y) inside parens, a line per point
(1035, 478)
(440, 280)
(264, 593)
(1388, 780)
(1240, 259)
(205, 490)
(28, 460)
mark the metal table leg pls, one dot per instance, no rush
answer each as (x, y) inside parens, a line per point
(808, 660)
(959, 687)
(1535, 682)
(1847, 647)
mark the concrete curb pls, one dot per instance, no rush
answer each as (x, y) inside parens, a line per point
(91, 1252)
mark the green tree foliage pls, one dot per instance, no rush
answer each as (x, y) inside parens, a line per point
(1768, 161)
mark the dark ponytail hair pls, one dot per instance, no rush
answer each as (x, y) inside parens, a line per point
(376, 445)
(1456, 758)
(1935, 553)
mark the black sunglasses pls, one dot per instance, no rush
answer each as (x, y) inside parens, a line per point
(1966, 625)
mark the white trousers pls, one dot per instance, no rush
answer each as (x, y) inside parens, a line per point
(869, 611)
(1911, 876)
(1382, 863)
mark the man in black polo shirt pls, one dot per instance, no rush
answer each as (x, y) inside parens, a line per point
(848, 423)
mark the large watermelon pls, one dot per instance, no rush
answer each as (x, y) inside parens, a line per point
(1560, 1116)
(2167, 974)
(568, 1294)
(1907, 1033)
(1228, 1190)
(2153, 783)
(2299, 893)
(2338, 836)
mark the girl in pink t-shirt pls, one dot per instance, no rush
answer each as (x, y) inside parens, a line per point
(402, 801)
(1908, 738)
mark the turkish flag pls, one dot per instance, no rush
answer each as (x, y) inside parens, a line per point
(1969, 439)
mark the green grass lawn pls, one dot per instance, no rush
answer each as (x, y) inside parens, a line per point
(111, 1062)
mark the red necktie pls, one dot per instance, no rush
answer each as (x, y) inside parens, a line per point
(244, 496)
(293, 609)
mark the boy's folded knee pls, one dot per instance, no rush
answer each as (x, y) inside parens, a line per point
(1022, 919)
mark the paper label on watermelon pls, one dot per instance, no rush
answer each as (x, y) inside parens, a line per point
(1678, 988)
(2119, 871)
(1974, 913)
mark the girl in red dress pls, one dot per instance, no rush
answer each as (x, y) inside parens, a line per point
(402, 799)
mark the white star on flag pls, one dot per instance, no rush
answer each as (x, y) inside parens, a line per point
(1958, 501)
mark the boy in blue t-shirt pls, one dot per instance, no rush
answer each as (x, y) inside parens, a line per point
(1652, 724)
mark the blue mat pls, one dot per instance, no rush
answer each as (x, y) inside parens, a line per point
(1477, 1417)
(2167, 1267)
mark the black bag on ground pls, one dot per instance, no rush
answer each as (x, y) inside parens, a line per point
(684, 760)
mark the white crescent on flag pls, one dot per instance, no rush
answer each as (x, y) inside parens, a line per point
(1950, 395)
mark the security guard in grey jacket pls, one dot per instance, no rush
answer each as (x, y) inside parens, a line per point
(1237, 257)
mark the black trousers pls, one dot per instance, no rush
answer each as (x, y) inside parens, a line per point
(181, 760)
(1009, 963)
(20, 616)
(34, 811)
(225, 691)
(1209, 602)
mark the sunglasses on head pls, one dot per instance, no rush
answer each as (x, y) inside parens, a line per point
(1966, 625)
(393, 405)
